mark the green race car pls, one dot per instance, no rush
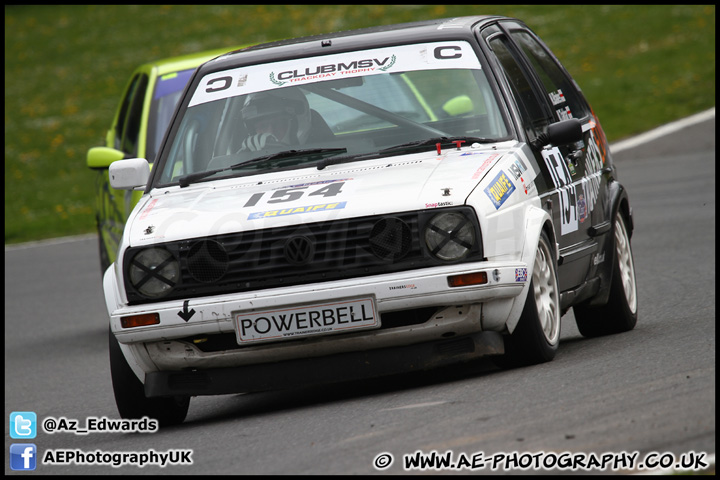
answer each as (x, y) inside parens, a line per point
(138, 127)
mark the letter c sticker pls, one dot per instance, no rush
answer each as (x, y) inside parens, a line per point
(441, 56)
(227, 82)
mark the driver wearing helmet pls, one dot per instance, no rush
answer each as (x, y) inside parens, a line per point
(275, 118)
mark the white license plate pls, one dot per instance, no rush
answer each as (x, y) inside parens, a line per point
(287, 323)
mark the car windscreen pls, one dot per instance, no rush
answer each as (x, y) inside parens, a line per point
(252, 119)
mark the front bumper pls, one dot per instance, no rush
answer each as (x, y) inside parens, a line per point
(461, 311)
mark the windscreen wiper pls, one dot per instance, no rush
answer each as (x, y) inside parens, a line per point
(186, 180)
(437, 142)
(417, 145)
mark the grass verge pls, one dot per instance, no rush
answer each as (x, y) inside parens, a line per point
(65, 67)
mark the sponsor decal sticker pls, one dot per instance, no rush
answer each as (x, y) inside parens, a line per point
(500, 189)
(488, 161)
(423, 56)
(521, 274)
(327, 71)
(148, 208)
(438, 204)
(582, 208)
(564, 113)
(284, 212)
(557, 97)
(598, 258)
(517, 168)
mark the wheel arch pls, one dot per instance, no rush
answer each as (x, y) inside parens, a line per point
(619, 203)
(537, 221)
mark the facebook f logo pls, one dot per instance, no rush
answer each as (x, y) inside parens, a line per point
(23, 425)
(23, 456)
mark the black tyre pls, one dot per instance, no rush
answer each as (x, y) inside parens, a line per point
(130, 394)
(620, 313)
(537, 335)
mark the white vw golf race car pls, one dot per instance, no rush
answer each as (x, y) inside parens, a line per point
(366, 203)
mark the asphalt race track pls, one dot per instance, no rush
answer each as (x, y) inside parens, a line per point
(649, 392)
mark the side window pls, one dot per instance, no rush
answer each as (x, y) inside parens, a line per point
(560, 89)
(124, 107)
(131, 128)
(535, 117)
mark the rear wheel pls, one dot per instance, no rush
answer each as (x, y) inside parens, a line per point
(620, 313)
(537, 335)
(130, 393)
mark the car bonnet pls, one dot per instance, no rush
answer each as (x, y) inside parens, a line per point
(392, 184)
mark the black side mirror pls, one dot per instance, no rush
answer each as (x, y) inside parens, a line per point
(563, 132)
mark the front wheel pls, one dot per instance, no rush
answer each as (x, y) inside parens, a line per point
(537, 335)
(620, 313)
(130, 393)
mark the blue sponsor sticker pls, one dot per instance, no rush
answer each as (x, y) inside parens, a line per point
(500, 189)
(284, 212)
(521, 274)
(582, 208)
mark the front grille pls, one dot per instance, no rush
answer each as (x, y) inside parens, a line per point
(207, 261)
(390, 238)
(300, 254)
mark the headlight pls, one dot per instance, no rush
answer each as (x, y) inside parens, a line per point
(154, 272)
(449, 236)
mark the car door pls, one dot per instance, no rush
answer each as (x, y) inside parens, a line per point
(544, 94)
